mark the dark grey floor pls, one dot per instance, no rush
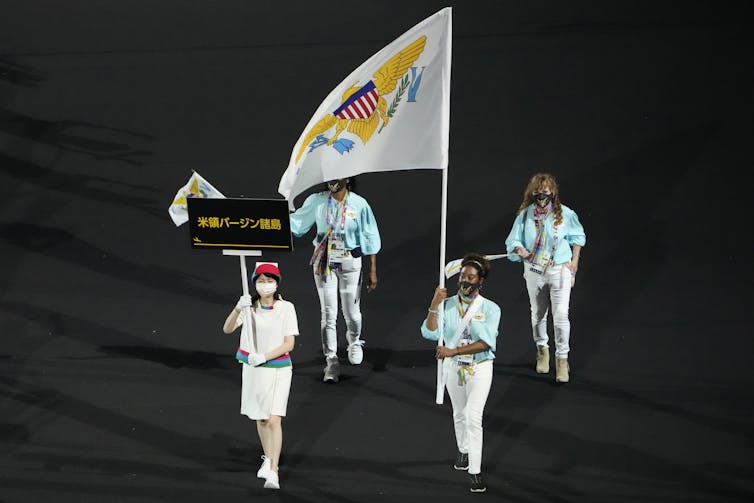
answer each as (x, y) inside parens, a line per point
(116, 382)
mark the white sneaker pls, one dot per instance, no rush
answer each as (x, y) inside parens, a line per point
(264, 470)
(332, 370)
(272, 481)
(355, 352)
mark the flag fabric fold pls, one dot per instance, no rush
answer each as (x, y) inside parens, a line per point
(391, 113)
(196, 187)
(454, 266)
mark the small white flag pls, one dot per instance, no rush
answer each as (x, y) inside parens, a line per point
(454, 266)
(391, 113)
(196, 187)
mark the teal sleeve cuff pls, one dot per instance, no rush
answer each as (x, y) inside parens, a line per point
(431, 335)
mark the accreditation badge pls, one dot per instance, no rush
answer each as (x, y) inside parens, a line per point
(337, 250)
(536, 269)
(543, 259)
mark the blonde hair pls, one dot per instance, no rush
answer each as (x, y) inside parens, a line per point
(539, 182)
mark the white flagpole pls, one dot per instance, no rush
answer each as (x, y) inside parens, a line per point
(440, 391)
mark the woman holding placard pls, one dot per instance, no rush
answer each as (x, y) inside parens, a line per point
(267, 338)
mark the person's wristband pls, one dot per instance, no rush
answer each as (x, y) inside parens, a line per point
(433, 311)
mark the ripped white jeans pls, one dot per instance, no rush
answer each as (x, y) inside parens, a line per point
(550, 290)
(346, 282)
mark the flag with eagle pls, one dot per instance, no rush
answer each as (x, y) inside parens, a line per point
(195, 187)
(391, 113)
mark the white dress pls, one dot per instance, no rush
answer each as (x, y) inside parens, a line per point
(264, 391)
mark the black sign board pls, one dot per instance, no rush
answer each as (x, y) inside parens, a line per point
(239, 224)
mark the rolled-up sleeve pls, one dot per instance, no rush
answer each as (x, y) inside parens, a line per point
(576, 235)
(432, 335)
(516, 237)
(303, 218)
(369, 234)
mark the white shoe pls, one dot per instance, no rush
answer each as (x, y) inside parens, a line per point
(272, 481)
(264, 470)
(355, 352)
(332, 370)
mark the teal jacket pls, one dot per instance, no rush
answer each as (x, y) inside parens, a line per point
(361, 227)
(483, 326)
(570, 232)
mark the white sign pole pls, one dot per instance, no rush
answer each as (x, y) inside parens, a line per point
(242, 254)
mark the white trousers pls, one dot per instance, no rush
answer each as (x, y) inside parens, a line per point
(346, 283)
(468, 402)
(550, 290)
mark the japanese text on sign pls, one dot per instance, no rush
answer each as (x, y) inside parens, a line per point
(241, 223)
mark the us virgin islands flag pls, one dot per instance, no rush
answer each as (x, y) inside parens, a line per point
(195, 187)
(391, 113)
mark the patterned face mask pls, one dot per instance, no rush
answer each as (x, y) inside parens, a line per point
(468, 289)
(543, 199)
(335, 185)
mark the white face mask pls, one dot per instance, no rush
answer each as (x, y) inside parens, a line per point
(264, 289)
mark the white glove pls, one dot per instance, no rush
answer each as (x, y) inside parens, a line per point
(243, 301)
(256, 359)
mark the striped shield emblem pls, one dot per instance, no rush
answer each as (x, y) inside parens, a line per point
(360, 104)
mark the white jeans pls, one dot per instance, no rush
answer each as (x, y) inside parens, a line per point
(345, 281)
(468, 402)
(551, 289)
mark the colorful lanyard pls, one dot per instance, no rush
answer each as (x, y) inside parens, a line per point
(320, 257)
(461, 313)
(540, 220)
(341, 212)
(332, 223)
(464, 368)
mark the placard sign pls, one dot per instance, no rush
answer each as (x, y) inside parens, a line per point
(239, 224)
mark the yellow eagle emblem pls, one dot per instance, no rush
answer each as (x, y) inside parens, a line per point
(359, 104)
(193, 191)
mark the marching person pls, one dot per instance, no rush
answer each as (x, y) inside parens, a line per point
(266, 341)
(547, 237)
(469, 329)
(347, 236)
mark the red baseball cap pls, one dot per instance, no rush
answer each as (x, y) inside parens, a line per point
(265, 268)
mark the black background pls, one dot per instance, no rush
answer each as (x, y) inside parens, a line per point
(116, 382)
